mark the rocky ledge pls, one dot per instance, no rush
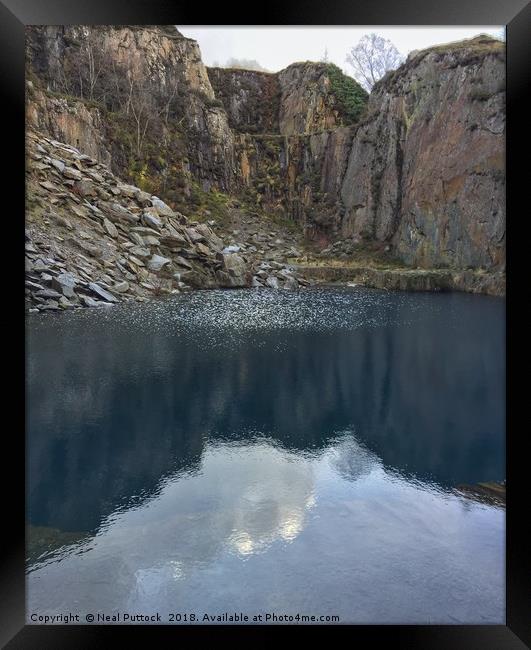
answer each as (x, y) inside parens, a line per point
(405, 279)
(92, 240)
(492, 493)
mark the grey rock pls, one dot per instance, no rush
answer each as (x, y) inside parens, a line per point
(291, 283)
(136, 238)
(110, 228)
(129, 190)
(48, 293)
(143, 230)
(89, 302)
(85, 188)
(180, 261)
(161, 207)
(236, 267)
(157, 262)
(102, 293)
(143, 198)
(70, 172)
(139, 251)
(136, 260)
(272, 282)
(65, 283)
(49, 186)
(195, 235)
(117, 212)
(121, 287)
(149, 240)
(39, 266)
(34, 285)
(90, 249)
(173, 241)
(203, 250)
(64, 303)
(152, 220)
(52, 305)
(63, 221)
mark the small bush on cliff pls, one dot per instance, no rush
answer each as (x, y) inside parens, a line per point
(351, 97)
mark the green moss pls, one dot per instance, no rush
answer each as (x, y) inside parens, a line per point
(352, 98)
(204, 205)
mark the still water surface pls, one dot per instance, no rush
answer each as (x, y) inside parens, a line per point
(268, 452)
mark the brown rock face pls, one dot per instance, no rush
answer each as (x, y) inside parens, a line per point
(152, 77)
(300, 99)
(423, 172)
(250, 98)
(69, 121)
(426, 169)
(307, 103)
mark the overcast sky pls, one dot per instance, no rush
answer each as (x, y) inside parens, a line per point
(276, 47)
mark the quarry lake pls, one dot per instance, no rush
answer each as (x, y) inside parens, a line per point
(268, 452)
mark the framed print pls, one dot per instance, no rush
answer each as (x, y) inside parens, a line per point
(268, 343)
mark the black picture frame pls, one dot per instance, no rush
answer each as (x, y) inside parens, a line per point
(516, 16)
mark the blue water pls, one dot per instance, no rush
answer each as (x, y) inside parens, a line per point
(268, 452)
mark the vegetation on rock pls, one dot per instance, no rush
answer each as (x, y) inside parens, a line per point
(352, 98)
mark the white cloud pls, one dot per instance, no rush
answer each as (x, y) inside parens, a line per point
(276, 47)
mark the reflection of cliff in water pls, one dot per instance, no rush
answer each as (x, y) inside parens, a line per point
(113, 409)
(266, 499)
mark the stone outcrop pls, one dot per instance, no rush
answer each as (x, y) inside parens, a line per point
(308, 103)
(422, 172)
(250, 98)
(426, 168)
(405, 279)
(303, 98)
(152, 74)
(70, 121)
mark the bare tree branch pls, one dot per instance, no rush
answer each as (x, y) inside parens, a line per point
(371, 58)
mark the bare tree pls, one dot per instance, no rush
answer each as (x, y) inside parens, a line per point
(140, 104)
(88, 65)
(95, 61)
(371, 58)
(147, 104)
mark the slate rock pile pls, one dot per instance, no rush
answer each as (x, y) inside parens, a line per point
(92, 240)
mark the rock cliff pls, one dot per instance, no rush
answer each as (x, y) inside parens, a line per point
(426, 168)
(150, 96)
(415, 170)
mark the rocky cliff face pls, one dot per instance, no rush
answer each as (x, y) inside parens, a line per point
(426, 168)
(308, 103)
(250, 98)
(304, 98)
(151, 91)
(422, 172)
(418, 171)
